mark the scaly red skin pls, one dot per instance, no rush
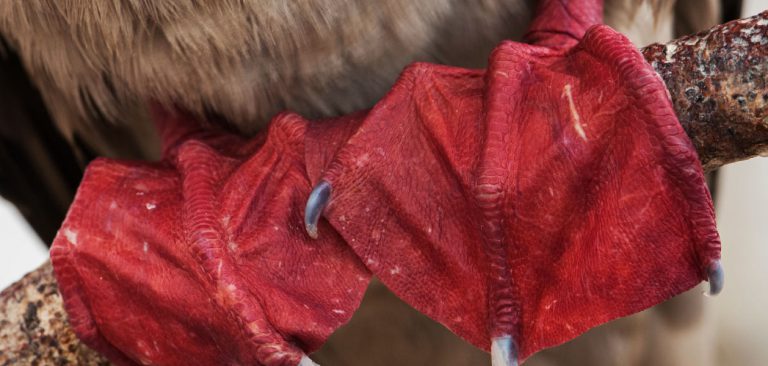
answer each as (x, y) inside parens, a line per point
(589, 173)
(193, 259)
(524, 204)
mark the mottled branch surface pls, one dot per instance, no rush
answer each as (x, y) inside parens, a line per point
(33, 325)
(717, 81)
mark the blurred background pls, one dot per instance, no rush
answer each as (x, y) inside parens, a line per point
(742, 214)
(21, 250)
(740, 326)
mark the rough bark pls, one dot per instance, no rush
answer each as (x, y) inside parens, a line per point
(717, 81)
(34, 329)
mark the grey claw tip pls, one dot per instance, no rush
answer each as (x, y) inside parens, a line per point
(316, 203)
(306, 361)
(503, 351)
(716, 278)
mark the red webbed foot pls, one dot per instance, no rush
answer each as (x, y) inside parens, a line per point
(522, 205)
(519, 206)
(201, 258)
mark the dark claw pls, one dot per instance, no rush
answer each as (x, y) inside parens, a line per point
(316, 203)
(503, 351)
(716, 278)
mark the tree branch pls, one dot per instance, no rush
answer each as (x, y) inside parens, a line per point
(717, 81)
(34, 329)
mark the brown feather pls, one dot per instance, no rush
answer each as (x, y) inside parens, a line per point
(244, 60)
(247, 60)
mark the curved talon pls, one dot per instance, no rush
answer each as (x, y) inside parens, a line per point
(716, 278)
(503, 351)
(306, 361)
(316, 203)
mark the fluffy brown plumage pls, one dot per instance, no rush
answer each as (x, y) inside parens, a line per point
(247, 60)
(244, 60)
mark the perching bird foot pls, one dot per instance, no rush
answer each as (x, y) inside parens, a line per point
(519, 206)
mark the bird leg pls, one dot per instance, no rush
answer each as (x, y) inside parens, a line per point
(558, 173)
